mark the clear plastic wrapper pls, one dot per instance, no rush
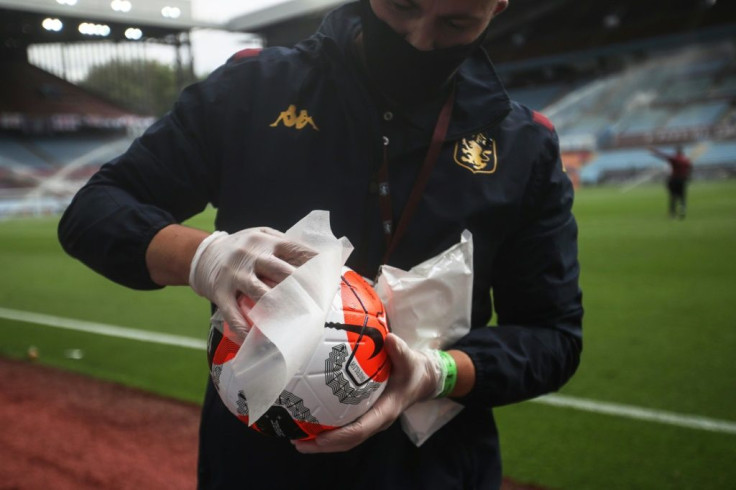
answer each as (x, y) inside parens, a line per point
(429, 307)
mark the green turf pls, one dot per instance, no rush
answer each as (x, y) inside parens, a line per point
(565, 449)
(659, 300)
(659, 333)
(39, 277)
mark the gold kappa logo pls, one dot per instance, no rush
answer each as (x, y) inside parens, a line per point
(477, 154)
(290, 119)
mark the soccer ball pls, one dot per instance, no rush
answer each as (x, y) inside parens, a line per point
(345, 375)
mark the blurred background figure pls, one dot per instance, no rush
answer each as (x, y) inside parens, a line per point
(680, 170)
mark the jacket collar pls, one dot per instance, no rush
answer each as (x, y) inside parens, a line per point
(481, 102)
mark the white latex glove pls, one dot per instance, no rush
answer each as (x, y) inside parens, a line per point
(249, 262)
(415, 376)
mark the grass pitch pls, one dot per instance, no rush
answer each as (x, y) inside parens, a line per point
(659, 333)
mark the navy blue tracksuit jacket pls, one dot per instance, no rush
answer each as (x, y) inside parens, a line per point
(270, 137)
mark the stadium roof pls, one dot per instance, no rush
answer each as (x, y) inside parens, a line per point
(175, 14)
(44, 21)
(289, 10)
(33, 98)
(285, 23)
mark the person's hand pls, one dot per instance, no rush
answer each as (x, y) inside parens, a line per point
(249, 262)
(415, 376)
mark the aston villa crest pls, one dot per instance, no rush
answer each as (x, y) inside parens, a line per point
(477, 154)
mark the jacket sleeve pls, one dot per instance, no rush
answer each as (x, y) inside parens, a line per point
(536, 346)
(165, 177)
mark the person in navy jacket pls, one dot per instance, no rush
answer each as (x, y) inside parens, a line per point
(391, 117)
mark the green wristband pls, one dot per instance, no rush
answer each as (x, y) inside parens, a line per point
(449, 369)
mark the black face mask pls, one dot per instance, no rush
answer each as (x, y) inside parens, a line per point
(402, 72)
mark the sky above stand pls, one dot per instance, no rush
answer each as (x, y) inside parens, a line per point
(222, 10)
(212, 48)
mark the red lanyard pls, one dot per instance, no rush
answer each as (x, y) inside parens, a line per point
(392, 237)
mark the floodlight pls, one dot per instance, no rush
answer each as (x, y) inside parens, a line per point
(50, 24)
(171, 12)
(133, 33)
(121, 5)
(90, 29)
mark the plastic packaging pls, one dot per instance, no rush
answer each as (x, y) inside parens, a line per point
(429, 307)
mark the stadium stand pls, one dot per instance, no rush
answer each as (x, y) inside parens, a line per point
(614, 79)
(40, 98)
(14, 153)
(620, 165)
(726, 87)
(719, 154)
(643, 120)
(53, 132)
(684, 90)
(711, 159)
(538, 97)
(53, 136)
(698, 115)
(685, 95)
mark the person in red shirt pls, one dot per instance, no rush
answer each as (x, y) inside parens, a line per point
(680, 169)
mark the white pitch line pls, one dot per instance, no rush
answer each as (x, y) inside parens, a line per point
(638, 413)
(103, 329)
(582, 404)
